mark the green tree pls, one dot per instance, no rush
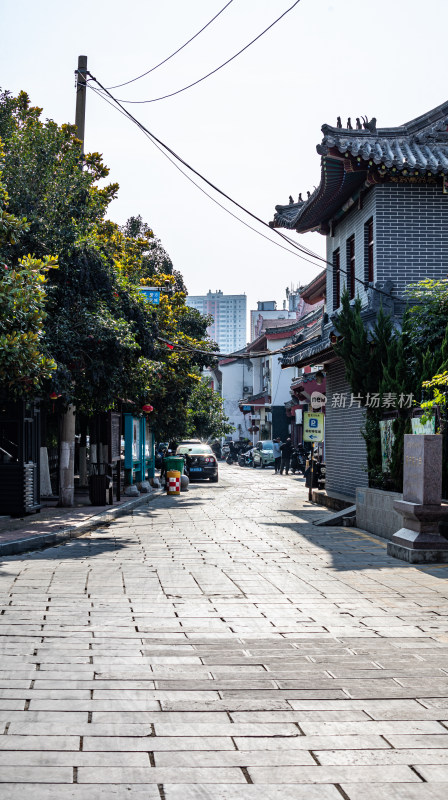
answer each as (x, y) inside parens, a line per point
(180, 361)
(205, 413)
(173, 372)
(375, 364)
(97, 328)
(390, 360)
(24, 363)
(106, 341)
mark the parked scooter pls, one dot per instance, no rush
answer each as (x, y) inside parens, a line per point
(245, 459)
(298, 460)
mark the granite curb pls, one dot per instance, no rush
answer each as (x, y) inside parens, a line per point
(68, 531)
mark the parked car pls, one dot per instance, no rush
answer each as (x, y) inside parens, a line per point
(200, 461)
(263, 454)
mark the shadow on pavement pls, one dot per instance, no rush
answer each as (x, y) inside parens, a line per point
(80, 548)
(350, 548)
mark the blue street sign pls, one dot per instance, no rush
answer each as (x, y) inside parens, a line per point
(151, 294)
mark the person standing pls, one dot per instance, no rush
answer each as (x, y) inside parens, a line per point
(286, 450)
(277, 455)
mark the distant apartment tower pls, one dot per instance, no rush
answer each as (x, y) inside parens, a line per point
(229, 318)
(267, 310)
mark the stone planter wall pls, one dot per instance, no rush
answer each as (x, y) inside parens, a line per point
(375, 512)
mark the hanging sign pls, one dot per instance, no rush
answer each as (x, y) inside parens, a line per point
(151, 294)
(313, 427)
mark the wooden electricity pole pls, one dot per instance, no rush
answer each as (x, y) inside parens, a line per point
(81, 92)
(68, 426)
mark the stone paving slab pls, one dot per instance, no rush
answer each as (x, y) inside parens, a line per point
(362, 791)
(43, 791)
(228, 792)
(219, 646)
(334, 774)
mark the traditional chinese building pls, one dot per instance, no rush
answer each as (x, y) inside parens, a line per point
(382, 204)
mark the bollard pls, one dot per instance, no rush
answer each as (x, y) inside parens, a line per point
(173, 482)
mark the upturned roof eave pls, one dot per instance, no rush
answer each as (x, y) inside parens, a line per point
(418, 147)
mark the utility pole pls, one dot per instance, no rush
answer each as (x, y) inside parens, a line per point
(81, 91)
(68, 422)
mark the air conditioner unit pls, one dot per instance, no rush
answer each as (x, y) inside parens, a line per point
(246, 389)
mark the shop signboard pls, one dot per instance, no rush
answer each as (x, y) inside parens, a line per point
(313, 427)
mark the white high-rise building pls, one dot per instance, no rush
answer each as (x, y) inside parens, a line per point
(229, 318)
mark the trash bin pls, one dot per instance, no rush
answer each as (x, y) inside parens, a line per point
(174, 462)
(100, 488)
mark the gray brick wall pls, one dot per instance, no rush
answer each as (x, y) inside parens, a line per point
(353, 223)
(411, 233)
(345, 448)
(410, 236)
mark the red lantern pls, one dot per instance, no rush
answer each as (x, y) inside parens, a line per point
(54, 396)
(147, 408)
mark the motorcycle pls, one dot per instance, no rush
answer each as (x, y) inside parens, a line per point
(245, 459)
(298, 461)
(235, 451)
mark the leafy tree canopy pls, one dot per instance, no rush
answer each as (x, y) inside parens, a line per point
(24, 363)
(97, 327)
(387, 359)
(205, 413)
(104, 338)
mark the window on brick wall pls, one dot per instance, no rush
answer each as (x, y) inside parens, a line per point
(369, 271)
(336, 279)
(350, 261)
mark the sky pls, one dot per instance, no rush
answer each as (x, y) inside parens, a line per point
(251, 129)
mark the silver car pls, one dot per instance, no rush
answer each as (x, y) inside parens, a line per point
(263, 454)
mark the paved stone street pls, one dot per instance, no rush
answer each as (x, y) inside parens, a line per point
(219, 646)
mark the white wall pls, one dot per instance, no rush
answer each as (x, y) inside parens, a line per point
(235, 376)
(280, 378)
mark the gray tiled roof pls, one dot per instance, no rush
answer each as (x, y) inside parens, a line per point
(421, 144)
(350, 156)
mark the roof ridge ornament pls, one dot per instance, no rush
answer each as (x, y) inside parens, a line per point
(368, 126)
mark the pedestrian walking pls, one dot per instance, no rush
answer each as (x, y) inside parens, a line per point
(277, 455)
(286, 450)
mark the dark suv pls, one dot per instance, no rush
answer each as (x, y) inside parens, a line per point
(200, 461)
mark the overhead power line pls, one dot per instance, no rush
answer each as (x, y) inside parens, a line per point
(119, 85)
(213, 71)
(201, 189)
(164, 148)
